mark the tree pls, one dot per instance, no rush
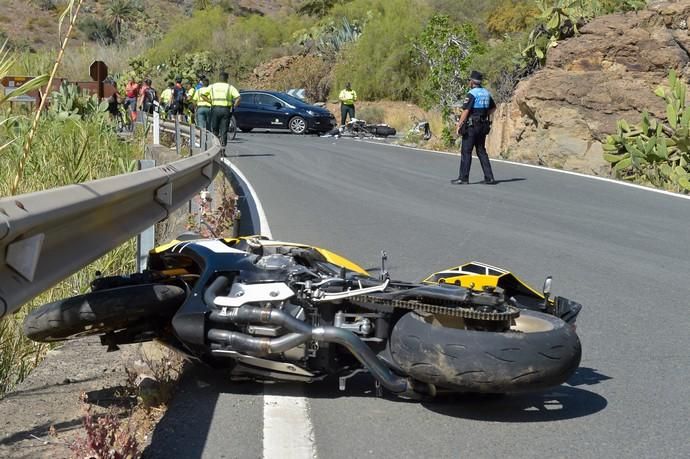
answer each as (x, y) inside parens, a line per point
(446, 50)
(120, 12)
(317, 8)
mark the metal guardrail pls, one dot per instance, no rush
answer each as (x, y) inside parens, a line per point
(49, 235)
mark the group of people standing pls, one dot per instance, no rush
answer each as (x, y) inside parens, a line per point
(210, 105)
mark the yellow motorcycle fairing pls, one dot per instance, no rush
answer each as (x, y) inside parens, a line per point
(476, 276)
(329, 256)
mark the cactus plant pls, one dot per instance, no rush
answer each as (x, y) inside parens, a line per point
(654, 152)
(71, 102)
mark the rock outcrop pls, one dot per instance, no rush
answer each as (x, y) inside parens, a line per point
(561, 114)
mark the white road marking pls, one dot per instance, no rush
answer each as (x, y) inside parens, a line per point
(288, 432)
(561, 171)
(263, 229)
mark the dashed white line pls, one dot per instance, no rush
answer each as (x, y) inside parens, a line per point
(288, 432)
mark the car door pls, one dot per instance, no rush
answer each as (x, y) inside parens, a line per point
(271, 112)
(245, 112)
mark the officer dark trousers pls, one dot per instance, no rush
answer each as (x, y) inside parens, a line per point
(220, 120)
(473, 139)
(344, 111)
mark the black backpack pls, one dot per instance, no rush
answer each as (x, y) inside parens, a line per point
(150, 95)
(179, 96)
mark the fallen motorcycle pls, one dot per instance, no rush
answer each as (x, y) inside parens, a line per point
(270, 310)
(361, 129)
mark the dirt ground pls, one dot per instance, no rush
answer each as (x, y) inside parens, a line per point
(49, 400)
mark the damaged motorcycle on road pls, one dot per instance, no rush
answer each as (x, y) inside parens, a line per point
(271, 310)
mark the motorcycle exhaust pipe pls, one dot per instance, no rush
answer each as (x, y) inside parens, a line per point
(252, 314)
(256, 345)
(302, 333)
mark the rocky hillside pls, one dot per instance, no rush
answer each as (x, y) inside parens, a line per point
(560, 115)
(33, 24)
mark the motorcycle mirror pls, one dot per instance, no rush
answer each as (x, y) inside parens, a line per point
(547, 287)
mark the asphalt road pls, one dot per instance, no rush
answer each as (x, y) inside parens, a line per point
(624, 253)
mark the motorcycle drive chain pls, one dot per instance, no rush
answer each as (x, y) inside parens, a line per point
(455, 311)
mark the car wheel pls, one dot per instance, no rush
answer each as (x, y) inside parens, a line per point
(297, 125)
(246, 129)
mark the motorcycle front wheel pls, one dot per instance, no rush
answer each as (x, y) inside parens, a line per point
(539, 351)
(102, 311)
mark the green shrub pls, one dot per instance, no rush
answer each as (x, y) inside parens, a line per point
(381, 63)
(446, 49)
(502, 65)
(189, 35)
(511, 16)
(461, 11)
(309, 72)
(97, 29)
(237, 45)
(318, 8)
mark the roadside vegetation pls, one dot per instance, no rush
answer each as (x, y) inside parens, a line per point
(655, 153)
(72, 142)
(417, 51)
(75, 142)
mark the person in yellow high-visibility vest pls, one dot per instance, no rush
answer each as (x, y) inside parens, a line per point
(347, 103)
(224, 97)
(202, 100)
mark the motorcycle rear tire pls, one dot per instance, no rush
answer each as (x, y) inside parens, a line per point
(544, 355)
(384, 131)
(101, 311)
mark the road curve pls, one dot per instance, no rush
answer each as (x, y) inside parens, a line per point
(623, 252)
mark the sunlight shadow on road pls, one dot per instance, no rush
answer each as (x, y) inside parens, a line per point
(587, 377)
(563, 402)
(186, 427)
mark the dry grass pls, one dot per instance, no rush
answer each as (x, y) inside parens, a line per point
(75, 65)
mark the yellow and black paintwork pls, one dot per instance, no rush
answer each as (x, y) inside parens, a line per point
(329, 256)
(478, 276)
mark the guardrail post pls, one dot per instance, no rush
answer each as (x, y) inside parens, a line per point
(145, 239)
(192, 137)
(156, 128)
(177, 135)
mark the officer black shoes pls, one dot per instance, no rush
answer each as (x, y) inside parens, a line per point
(459, 181)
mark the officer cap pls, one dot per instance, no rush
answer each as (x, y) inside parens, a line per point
(477, 76)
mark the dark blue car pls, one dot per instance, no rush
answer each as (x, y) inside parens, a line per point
(260, 109)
